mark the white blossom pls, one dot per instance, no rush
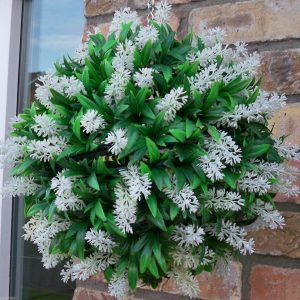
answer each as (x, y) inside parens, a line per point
(72, 86)
(185, 281)
(184, 257)
(270, 216)
(12, 151)
(46, 149)
(186, 236)
(124, 56)
(185, 198)
(65, 198)
(234, 236)
(118, 286)
(96, 262)
(44, 125)
(172, 102)
(92, 121)
(19, 186)
(162, 12)
(144, 77)
(147, 33)
(136, 183)
(66, 272)
(125, 209)
(286, 150)
(81, 54)
(117, 139)
(100, 239)
(254, 183)
(121, 17)
(212, 36)
(40, 231)
(207, 57)
(43, 89)
(212, 166)
(203, 80)
(224, 200)
(225, 148)
(115, 89)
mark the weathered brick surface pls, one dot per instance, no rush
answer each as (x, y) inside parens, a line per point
(102, 7)
(90, 294)
(142, 4)
(284, 241)
(251, 21)
(271, 283)
(281, 71)
(213, 286)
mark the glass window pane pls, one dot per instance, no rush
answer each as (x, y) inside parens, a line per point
(51, 29)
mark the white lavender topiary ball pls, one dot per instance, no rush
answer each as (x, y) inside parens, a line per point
(145, 157)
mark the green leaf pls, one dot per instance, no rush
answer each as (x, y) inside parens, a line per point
(212, 96)
(189, 128)
(145, 258)
(86, 102)
(108, 45)
(213, 132)
(124, 32)
(174, 210)
(132, 274)
(99, 211)
(146, 52)
(158, 221)
(256, 150)
(180, 135)
(159, 258)
(21, 168)
(35, 208)
(152, 204)
(153, 268)
(86, 78)
(92, 181)
(153, 150)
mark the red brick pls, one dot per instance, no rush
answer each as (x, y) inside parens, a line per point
(281, 71)
(250, 21)
(214, 287)
(284, 241)
(103, 7)
(82, 293)
(272, 283)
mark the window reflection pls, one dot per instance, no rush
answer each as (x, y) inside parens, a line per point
(51, 29)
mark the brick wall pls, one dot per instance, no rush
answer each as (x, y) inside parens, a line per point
(271, 27)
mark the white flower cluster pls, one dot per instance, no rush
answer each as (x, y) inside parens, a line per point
(19, 186)
(121, 17)
(40, 231)
(127, 197)
(65, 198)
(46, 149)
(220, 199)
(172, 102)
(185, 281)
(92, 121)
(286, 150)
(82, 270)
(212, 36)
(115, 89)
(254, 183)
(147, 33)
(233, 235)
(81, 54)
(69, 86)
(100, 239)
(118, 286)
(263, 107)
(269, 216)
(144, 78)
(44, 126)
(186, 236)
(12, 151)
(162, 12)
(212, 166)
(185, 198)
(117, 139)
(124, 56)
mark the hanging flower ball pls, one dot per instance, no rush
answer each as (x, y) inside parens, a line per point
(145, 157)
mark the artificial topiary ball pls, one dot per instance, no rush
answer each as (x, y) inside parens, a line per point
(147, 157)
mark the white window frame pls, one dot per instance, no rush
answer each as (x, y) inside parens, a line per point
(10, 36)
